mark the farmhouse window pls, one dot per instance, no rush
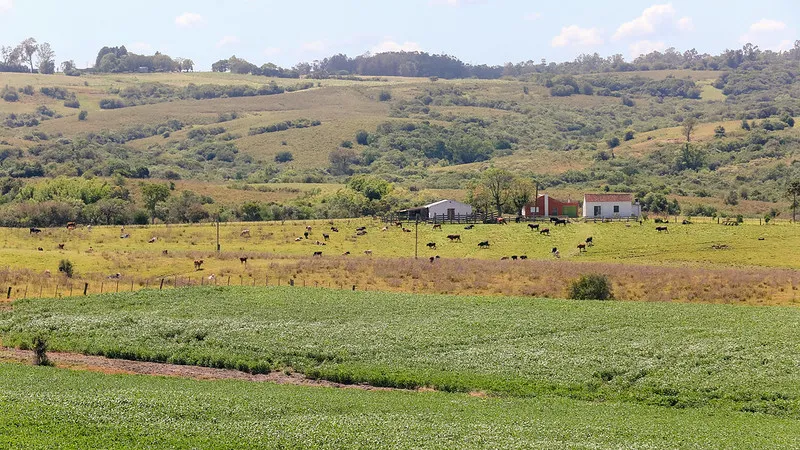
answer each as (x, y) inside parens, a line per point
(598, 210)
(616, 209)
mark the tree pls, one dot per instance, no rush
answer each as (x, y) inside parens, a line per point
(284, 156)
(498, 185)
(690, 158)
(46, 59)
(153, 194)
(688, 128)
(220, 66)
(522, 190)
(793, 192)
(628, 135)
(28, 48)
(340, 161)
(372, 187)
(719, 132)
(613, 142)
(187, 65)
(362, 137)
(745, 125)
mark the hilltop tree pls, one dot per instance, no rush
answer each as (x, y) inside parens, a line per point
(187, 65)
(220, 66)
(153, 194)
(28, 48)
(688, 128)
(46, 58)
(793, 192)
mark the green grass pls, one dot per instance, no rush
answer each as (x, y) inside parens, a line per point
(45, 408)
(677, 355)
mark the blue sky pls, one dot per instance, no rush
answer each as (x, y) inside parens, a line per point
(476, 31)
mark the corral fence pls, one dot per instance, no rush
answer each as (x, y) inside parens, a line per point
(467, 219)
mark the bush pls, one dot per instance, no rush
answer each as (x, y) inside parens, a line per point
(362, 137)
(591, 287)
(72, 103)
(384, 96)
(283, 157)
(347, 144)
(9, 94)
(111, 103)
(83, 115)
(65, 266)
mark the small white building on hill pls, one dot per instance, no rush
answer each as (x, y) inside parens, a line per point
(443, 210)
(610, 206)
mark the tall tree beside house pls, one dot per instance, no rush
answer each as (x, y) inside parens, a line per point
(498, 183)
(521, 192)
(793, 192)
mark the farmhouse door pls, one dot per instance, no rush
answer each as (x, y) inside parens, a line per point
(451, 214)
(598, 211)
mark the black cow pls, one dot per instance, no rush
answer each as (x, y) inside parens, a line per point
(35, 231)
(484, 244)
(317, 254)
(432, 245)
(533, 226)
(545, 231)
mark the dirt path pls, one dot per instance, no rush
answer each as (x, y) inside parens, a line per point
(74, 361)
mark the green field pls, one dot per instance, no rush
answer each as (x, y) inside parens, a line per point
(47, 408)
(670, 355)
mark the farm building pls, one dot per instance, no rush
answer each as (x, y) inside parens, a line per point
(547, 206)
(443, 210)
(609, 206)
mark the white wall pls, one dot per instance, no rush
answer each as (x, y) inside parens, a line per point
(441, 209)
(626, 209)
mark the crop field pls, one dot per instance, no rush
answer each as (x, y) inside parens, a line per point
(43, 406)
(683, 356)
(700, 262)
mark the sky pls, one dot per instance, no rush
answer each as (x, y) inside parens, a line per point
(476, 31)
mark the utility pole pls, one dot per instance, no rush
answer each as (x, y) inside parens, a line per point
(416, 238)
(218, 247)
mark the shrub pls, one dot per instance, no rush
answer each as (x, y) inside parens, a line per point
(28, 90)
(72, 103)
(83, 114)
(347, 144)
(591, 287)
(283, 157)
(9, 94)
(362, 137)
(65, 266)
(613, 142)
(111, 103)
(628, 135)
(40, 352)
(384, 96)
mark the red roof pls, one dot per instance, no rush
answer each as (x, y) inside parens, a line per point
(602, 198)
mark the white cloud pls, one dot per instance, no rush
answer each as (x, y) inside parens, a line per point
(142, 48)
(228, 40)
(189, 19)
(647, 23)
(532, 16)
(644, 47)
(685, 24)
(6, 5)
(314, 46)
(575, 36)
(392, 46)
(272, 51)
(767, 26)
(769, 34)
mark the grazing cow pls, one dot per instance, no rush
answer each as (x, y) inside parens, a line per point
(368, 252)
(152, 240)
(317, 254)
(533, 226)
(346, 254)
(561, 222)
(432, 245)
(660, 229)
(523, 257)
(361, 229)
(469, 227)
(124, 236)
(298, 239)
(90, 251)
(88, 228)
(361, 233)
(589, 241)
(518, 219)
(398, 224)
(555, 253)
(501, 221)
(326, 236)
(581, 247)
(504, 258)
(61, 246)
(35, 231)
(407, 230)
(245, 233)
(454, 237)
(334, 229)
(305, 234)
(198, 263)
(71, 225)
(40, 249)
(385, 229)
(163, 252)
(545, 231)
(514, 257)
(308, 228)
(484, 244)
(437, 226)
(432, 259)
(212, 277)
(116, 276)
(243, 260)
(554, 219)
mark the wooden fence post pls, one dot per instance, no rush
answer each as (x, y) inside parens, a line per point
(9, 293)
(117, 284)
(162, 285)
(85, 288)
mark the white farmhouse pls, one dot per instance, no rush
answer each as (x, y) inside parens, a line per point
(441, 210)
(609, 206)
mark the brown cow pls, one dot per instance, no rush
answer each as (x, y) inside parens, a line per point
(454, 237)
(245, 233)
(198, 263)
(545, 231)
(61, 246)
(581, 247)
(437, 226)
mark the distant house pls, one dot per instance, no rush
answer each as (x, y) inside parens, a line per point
(545, 206)
(144, 69)
(609, 206)
(443, 210)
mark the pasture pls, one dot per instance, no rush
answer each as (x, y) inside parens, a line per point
(42, 406)
(699, 262)
(684, 356)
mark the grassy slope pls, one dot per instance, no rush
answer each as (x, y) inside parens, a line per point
(733, 358)
(42, 407)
